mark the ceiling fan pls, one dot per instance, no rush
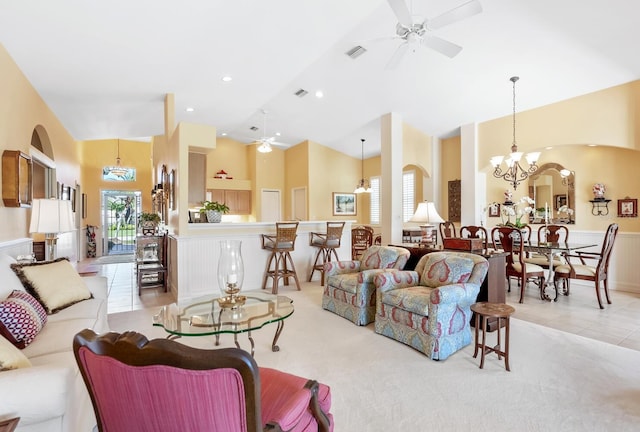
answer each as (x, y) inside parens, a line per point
(414, 32)
(266, 143)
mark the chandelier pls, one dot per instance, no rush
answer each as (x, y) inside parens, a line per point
(118, 170)
(363, 186)
(515, 173)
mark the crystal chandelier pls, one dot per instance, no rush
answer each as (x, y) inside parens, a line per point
(363, 186)
(515, 173)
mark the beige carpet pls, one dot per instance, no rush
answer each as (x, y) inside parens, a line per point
(558, 381)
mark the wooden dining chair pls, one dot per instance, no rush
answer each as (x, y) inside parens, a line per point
(511, 241)
(447, 230)
(551, 234)
(361, 240)
(475, 231)
(597, 273)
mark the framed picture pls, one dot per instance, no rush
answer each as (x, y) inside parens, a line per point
(72, 197)
(59, 188)
(344, 204)
(560, 200)
(494, 210)
(628, 207)
(66, 193)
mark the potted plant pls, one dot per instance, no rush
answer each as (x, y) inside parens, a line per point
(149, 222)
(214, 210)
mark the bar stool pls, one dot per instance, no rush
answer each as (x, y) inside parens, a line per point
(500, 311)
(327, 243)
(280, 265)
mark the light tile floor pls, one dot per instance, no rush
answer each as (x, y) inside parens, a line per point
(618, 323)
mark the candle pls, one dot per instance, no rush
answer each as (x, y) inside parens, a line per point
(232, 278)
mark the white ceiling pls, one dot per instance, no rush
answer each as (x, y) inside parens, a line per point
(105, 67)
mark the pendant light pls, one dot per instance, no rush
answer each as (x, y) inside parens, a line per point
(363, 186)
(515, 173)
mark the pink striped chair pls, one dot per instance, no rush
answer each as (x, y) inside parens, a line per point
(165, 386)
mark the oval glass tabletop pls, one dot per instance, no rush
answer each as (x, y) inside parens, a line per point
(205, 316)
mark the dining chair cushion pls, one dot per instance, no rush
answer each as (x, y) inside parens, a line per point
(531, 268)
(580, 269)
(442, 270)
(270, 244)
(543, 261)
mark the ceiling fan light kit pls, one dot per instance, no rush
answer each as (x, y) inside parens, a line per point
(415, 33)
(515, 173)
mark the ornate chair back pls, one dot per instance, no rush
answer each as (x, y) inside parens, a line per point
(553, 234)
(475, 231)
(447, 230)
(361, 240)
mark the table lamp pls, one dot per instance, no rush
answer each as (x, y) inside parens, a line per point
(51, 217)
(426, 214)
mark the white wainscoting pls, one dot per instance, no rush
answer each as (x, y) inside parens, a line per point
(195, 272)
(624, 266)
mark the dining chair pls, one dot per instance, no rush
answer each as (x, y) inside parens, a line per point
(475, 231)
(597, 273)
(551, 234)
(361, 240)
(447, 230)
(511, 241)
(162, 385)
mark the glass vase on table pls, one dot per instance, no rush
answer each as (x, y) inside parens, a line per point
(230, 274)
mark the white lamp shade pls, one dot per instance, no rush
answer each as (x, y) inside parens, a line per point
(426, 212)
(51, 216)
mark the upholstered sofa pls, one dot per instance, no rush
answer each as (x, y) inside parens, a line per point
(429, 308)
(350, 290)
(44, 387)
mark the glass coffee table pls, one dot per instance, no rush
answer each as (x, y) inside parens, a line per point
(205, 316)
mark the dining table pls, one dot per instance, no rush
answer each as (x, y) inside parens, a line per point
(550, 250)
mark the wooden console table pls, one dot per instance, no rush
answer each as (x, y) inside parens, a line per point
(494, 286)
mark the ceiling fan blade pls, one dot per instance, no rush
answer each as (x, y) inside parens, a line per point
(442, 46)
(397, 56)
(465, 10)
(401, 11)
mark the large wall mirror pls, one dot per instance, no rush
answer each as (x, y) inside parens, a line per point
(553, 184)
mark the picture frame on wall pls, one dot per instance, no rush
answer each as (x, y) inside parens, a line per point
(344, 204)
(628, 207)
(84, 206)
(172, 189)
(560, 200)
(494, 210)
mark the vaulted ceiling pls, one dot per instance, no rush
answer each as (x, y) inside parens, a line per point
(105, 67)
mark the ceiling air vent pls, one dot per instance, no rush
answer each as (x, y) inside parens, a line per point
(254, 128)
(301, 93)
(356, 52)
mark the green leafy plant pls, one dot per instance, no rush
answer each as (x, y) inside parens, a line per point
(150, 217)
(215, 206)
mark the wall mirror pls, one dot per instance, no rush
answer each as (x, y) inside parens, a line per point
(554, 185)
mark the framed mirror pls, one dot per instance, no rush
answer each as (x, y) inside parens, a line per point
(553, 186)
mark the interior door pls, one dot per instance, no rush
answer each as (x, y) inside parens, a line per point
(299, 204)
(270, 205)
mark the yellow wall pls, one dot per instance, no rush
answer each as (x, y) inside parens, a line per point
(100, 153)
(449, 170)
(22, 111)
(229, 156)
(297, 174)
(608, 118)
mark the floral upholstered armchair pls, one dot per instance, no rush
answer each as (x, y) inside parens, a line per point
(350, 290)
(429, 308)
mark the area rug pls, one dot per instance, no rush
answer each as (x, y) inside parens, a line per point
(558, 381)
(115, 259)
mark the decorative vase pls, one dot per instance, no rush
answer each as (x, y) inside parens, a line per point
(230, 273)
(214, 216)
(598, 192)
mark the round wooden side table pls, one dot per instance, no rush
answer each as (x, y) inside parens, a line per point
(500, 311)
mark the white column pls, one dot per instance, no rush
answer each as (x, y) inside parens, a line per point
(474, 183)
(391, 179)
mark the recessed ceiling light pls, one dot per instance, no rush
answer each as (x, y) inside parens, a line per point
(592, 145)
(277, 133)
(319, 94)
(548, 148)
(226, 78)
(190, 109)
(224, 134)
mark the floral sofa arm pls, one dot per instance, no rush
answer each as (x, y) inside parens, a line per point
(450, 307)
(340, 267)
(395, 279)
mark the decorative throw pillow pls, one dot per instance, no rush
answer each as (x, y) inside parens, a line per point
(55, 284)
(446, 269)
(21, 318)
(8, 279)
(11, 357)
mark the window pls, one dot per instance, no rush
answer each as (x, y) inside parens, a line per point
(408, 195)
(374, 217)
